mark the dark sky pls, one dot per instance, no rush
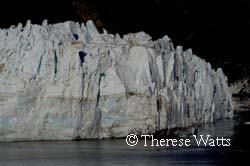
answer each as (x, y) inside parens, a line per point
(14, 11)
(217, 30)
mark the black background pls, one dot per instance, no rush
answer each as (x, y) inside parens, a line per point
(216, 30)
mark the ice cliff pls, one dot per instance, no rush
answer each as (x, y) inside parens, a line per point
(68, 81)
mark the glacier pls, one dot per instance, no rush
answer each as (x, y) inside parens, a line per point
(68, 81)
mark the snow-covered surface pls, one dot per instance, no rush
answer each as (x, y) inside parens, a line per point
(68, 81)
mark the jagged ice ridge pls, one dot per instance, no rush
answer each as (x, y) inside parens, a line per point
(68, 81)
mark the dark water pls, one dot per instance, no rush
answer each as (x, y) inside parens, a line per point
(117, 152)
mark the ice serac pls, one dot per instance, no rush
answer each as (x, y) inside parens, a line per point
(68, 81)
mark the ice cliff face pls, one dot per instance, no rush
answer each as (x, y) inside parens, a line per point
(68, 81)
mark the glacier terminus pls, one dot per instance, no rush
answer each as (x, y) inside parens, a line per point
(68, 81)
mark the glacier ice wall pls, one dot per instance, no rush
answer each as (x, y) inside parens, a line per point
(68, 81)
